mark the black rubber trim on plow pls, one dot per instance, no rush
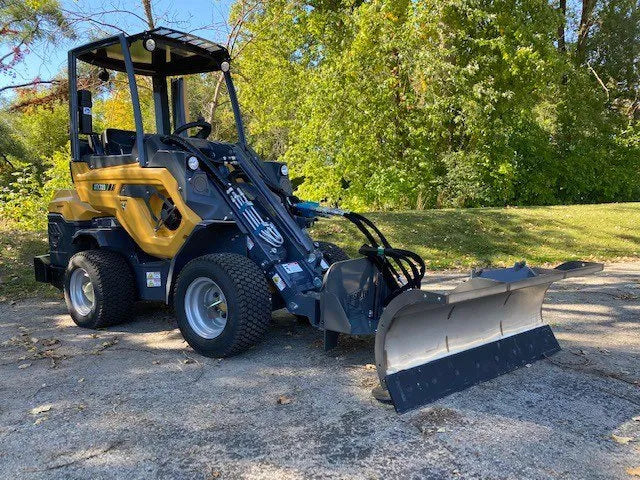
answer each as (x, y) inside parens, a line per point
(420, 385)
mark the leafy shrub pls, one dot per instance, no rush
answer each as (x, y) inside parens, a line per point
(25, 200)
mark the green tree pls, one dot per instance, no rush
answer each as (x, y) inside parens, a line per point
(23, 22)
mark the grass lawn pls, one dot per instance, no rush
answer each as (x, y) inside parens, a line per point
(17, 249)
(463, 238)
(446, 239)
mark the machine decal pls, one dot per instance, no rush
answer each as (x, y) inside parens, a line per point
(279, 282)
(154, 279)
(292, 267)
(103, 187)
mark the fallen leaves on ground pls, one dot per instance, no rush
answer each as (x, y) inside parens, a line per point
(40, 409)
(625, 296)
(369, 382)
(621, 440)
(109, 343)
(634, 472)
(104, 345)
(24, 365)
(283, 400)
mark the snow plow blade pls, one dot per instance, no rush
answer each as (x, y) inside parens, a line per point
(429, 345)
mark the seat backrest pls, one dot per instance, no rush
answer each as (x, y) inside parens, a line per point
(118, 142)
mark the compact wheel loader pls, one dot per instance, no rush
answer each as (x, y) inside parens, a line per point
(208, 227)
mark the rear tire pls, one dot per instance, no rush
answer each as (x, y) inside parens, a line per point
(222, 304)
(99, 289)
(332, 252)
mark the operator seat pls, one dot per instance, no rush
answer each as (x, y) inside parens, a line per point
(118, 142)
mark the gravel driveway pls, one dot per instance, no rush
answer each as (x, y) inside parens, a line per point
(135, 402)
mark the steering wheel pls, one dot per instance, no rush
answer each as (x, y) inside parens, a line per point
(205, 128)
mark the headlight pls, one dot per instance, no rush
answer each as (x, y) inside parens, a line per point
(284, 170)
(193, 163)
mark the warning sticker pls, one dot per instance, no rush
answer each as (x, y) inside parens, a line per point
(154, 279)
(293, 267)
(279, 282)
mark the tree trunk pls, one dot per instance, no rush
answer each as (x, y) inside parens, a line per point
(562, 46)
(586, 21)
(216, 96)
(149, 13)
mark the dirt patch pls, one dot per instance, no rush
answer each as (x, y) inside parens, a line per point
(436, 420)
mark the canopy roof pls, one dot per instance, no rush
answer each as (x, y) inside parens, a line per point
(175, 53)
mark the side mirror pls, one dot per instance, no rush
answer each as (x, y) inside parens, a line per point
(85, 119)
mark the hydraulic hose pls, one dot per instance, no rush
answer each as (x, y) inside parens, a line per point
(386, 258)
(267, 231)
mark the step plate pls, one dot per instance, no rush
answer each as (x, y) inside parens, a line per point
(419, 385)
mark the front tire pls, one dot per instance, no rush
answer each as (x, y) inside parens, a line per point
(99, 289)
(222, 304)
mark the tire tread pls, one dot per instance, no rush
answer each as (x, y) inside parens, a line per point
(252, 294)
(116, 284)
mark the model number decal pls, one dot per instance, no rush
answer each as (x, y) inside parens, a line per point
(103, 187)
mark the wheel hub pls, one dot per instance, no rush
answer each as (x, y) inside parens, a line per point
(81, 292)
(206, 307)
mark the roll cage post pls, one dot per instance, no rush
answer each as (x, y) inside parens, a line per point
(133, 90)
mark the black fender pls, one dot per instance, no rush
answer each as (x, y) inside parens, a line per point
(211, 236)
(116, 239)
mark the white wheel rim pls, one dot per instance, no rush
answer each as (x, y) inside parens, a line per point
(81, 292)
(206, 308)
